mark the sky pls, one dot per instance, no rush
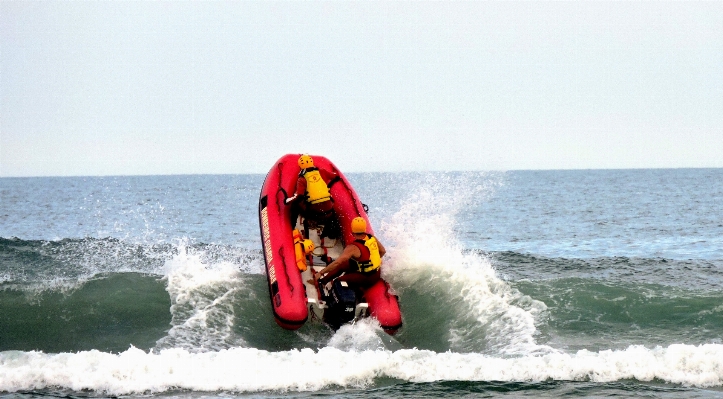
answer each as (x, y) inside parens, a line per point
(180, 87)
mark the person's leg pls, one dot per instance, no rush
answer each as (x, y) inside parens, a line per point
(332, 228)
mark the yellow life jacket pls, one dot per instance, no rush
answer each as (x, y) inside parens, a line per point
(370, 259)
(316, 189)
(299, 250)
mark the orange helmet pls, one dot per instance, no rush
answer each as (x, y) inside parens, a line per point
(305, 161)
(308, 245)
(358, 225)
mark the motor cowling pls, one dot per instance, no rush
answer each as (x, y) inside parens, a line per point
(340, 302)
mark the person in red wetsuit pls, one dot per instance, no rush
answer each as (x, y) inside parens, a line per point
(313, 197)
(361, 260)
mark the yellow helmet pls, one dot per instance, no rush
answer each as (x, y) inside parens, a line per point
(358, 225)
(308, 245)
(305, 161)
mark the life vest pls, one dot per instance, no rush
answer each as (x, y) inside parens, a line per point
(299, 250)
(316, 189)
(370, 259)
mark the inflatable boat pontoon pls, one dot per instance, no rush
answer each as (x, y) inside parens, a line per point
(293, 299)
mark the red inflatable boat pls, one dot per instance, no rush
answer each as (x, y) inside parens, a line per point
(293, 300)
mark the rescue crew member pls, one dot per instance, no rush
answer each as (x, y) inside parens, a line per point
(313, 197)
(361, 260)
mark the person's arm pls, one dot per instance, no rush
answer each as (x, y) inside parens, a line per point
(328, 176)
(339, 264)
(300, 190)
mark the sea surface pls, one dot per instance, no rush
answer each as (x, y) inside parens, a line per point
(590, 283)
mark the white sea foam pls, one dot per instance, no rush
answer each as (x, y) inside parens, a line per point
(363, 335)
(202, 297)
(486, 313)
(252, 370)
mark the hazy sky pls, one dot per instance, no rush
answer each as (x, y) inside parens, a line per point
(122, 88)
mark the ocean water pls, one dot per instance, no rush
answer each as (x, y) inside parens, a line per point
(589, 283)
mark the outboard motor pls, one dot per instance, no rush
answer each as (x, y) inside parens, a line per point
(340, 302)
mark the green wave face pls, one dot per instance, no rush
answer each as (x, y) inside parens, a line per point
(105, 294)
(109, 313)
(593, 314)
